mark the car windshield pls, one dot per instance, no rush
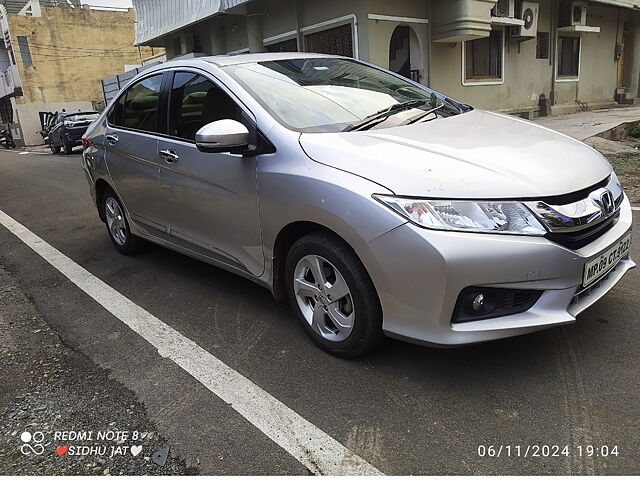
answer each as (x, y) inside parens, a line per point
(335, 94)
(82, 117)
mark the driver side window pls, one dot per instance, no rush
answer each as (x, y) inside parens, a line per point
(196, 101)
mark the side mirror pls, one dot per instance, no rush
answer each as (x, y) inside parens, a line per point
(223, 136)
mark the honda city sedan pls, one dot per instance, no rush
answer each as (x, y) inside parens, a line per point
(376, 206)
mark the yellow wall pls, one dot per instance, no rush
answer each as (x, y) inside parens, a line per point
(81, 33)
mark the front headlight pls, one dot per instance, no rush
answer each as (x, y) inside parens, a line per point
(68, 123)
(467, 215)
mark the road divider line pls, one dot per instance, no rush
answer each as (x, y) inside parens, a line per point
(316, 450)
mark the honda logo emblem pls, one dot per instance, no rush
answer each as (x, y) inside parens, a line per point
(606, 202)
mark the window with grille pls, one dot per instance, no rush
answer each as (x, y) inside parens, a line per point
(290, 45)
(542, 45)
(333, 41)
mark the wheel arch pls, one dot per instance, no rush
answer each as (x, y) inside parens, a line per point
(286, 237)
(101, 186)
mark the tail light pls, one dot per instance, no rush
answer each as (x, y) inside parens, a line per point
(85, 142)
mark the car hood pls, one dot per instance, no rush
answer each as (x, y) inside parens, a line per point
(477, 154)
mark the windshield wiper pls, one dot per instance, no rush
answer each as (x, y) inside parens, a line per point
(377, 117)
(420, 116)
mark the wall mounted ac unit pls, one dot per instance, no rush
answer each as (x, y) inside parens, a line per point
(529, 13)
(504, 8)
(573, 14)
(578, 13)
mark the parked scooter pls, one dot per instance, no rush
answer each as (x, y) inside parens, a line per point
(6, 139)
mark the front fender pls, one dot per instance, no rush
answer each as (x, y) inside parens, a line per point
(297, 189)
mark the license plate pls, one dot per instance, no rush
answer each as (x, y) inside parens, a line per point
(604, 262)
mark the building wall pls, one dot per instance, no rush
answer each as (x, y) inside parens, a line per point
(68, 53)
(380, 31)
(525, 77)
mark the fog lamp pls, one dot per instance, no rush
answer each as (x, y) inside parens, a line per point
(481, 303)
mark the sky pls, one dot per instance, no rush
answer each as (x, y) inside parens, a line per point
(108, 3)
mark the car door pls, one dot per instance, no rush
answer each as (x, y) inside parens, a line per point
(54, 133)
(211, 199)
(131, 146)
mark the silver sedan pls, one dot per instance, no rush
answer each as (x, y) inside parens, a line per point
(375, 205)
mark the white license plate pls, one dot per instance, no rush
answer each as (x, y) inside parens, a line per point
(604, 262)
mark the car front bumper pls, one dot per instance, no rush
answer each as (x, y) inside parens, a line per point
(419, 274)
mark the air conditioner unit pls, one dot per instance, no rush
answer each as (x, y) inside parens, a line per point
(573, 14)
(578, 13)
(504, 8)
(529, 13)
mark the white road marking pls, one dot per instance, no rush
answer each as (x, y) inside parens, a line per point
(312, 447)
(637, 209)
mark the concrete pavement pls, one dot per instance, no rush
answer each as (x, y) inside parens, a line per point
(583, 125)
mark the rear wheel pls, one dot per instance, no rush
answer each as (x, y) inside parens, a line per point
(55, 149)
(333, 296)
(118, 226)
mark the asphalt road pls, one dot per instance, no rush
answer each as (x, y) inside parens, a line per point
(405, 409)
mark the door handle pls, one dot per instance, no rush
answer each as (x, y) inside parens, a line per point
(170, 156)
(112, 138)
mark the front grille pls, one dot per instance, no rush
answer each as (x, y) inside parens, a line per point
(579, 218)
(582, 238)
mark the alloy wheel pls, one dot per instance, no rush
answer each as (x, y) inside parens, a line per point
(115, 221)
(324, 298)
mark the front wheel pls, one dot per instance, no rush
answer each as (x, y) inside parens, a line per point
(67, 149)
(333, 296)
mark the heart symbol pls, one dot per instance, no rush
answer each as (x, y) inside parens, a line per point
(62, 449)
(135, 450)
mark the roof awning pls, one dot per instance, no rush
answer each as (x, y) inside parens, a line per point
(157, 18)
(634, 4)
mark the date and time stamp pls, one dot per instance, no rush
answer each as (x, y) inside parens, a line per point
(547, 451)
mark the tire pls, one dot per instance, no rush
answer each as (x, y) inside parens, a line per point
(118, 226)
(55, 149)
(67, 148)
(359, 310)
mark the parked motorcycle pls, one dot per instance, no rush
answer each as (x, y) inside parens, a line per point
(6, 139)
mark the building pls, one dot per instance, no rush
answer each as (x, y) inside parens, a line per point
(54, 55)
(528, 58)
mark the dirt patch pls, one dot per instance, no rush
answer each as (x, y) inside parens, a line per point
(46, 387)
(624, 156)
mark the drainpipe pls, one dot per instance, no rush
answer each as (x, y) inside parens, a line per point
(356, 40)
(552, 52)
(428, 65)
(254, 30)
(299, 26)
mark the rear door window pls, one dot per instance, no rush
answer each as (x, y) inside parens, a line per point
(137, 108)
(195, 102)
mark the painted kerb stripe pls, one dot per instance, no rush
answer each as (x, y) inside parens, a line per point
(319, 452)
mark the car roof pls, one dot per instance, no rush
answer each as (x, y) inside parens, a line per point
(224, 60)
